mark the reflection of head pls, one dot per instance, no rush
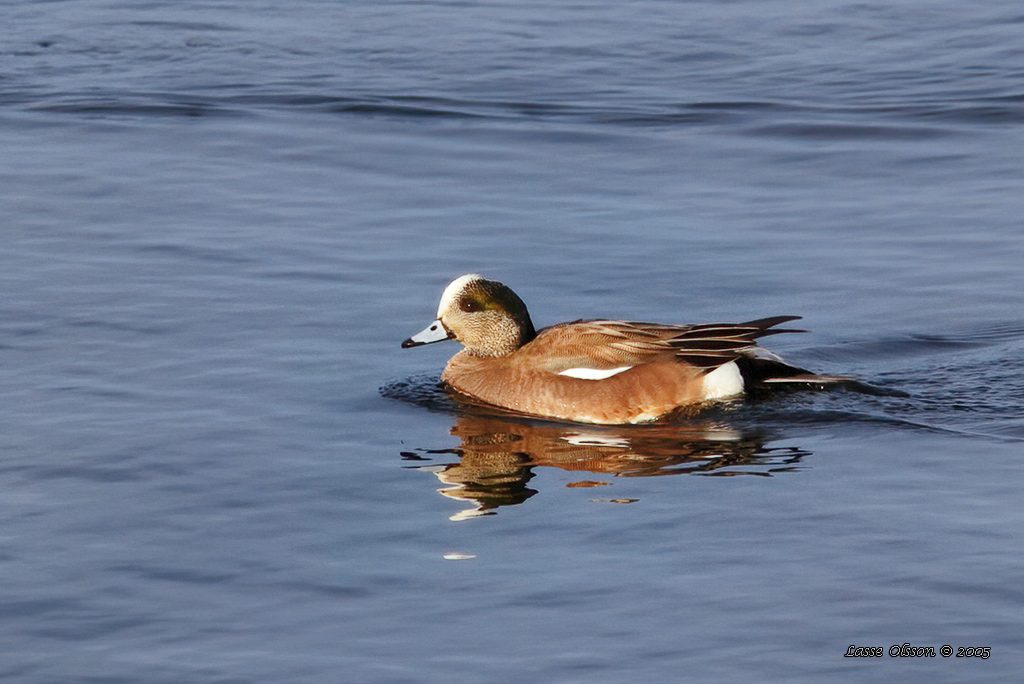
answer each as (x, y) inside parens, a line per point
(487, 479)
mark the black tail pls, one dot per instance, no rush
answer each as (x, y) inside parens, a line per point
(765, 375)
(766, 326)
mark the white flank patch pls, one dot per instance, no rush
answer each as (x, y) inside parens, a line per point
(724, 381)
(593, 373)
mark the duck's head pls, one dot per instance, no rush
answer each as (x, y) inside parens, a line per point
(487, 317)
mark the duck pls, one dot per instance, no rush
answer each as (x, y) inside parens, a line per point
(607, 372)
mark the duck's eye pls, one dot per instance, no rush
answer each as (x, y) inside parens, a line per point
(470, 305)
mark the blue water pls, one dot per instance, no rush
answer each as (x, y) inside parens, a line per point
(221, 219)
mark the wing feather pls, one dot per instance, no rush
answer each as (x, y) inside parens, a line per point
(628, 343)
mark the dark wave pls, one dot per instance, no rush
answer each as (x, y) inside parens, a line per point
(922, 344)
(846, 131)
(136, 108)
(764, 118)
(423, 389)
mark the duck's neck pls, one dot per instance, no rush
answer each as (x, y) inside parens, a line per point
(508, 339)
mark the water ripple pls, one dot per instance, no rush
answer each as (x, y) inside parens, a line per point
(765, 117)
(133, 107)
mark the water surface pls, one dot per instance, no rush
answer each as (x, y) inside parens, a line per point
(221, 219)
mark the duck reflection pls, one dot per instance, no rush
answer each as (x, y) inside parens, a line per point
(498, 456)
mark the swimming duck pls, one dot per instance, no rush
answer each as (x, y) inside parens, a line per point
(597, 371)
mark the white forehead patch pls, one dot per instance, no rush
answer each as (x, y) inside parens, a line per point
(453, 290)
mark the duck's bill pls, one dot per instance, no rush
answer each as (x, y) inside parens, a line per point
(435, 332)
